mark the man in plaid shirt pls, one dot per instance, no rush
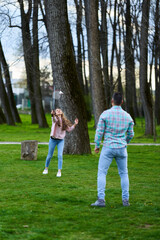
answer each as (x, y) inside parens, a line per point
(116, 126)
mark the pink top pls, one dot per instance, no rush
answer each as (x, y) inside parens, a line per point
(57, 131)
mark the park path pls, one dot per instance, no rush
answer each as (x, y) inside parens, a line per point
(131, 144)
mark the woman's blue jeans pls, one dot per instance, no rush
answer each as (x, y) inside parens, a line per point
(52, 145)
(106, 157)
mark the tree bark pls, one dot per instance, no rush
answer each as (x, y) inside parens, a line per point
(65, 75)
(144, 86)
(28, 55)
(36, 72)
(2, 117)
(5, 102)
(157, 63)
(95, 73)
(129, 63)
(118, 53)
(114, 25)
(9, 86)
(86, 90)
(79, 34)
(104, 48)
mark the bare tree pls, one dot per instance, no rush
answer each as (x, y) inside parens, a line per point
(119, 50)
(5, 102)
(129, 63)
(156, 55)
(28, 56)
(78, 4)
(9, 86)
(95, 72)
(31, 58)
(65, 75)
(36, 71)
(104, 49)
(144, 86)
(114, 29)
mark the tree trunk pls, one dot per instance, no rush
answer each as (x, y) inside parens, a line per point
(86, 90)
(157, 63)
(144, 86)
(9, 86)
(65, 75)
(5, 102)
(29, 150)
(104, 48)
(129, 63)
(114, 25)
(2, 117)
(28, 56)
(79, 50)
(36, 72)
(95, 73)
(118, 53)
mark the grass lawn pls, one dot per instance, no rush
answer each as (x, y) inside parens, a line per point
(43, 207)
(28, 131)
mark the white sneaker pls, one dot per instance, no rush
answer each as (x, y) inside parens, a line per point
(58, 174)
(45, 171)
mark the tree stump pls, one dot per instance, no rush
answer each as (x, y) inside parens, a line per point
(29, 150)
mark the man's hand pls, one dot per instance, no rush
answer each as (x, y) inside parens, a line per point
(96, 150)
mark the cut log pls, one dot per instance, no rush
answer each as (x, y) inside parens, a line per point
(29, 150)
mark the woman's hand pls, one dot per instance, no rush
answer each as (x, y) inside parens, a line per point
(76, 121)
(53, 112)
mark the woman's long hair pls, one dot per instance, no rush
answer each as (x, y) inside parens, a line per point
(65, 122)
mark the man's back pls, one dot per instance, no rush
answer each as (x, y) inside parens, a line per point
(114, 124)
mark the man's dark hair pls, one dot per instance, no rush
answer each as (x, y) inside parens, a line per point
(117, 98)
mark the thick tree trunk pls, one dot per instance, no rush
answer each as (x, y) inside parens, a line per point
(65, 75)
(144, 86)
(95, 73)
(36, 72)
(9, 86)
(5, 102)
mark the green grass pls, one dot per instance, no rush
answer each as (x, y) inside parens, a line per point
(28, 131)
(25, 131)
(42, 207)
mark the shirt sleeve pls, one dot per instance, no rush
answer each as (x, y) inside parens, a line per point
(69, 129)
(99, 131)
(130, 132)
(54, 119)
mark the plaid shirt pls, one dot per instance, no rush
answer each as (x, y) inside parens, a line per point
(116, 125)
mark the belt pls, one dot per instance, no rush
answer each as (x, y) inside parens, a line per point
(55, 138)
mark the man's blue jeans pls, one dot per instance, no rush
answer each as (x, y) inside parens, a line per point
(52, 145)
(106, 157)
